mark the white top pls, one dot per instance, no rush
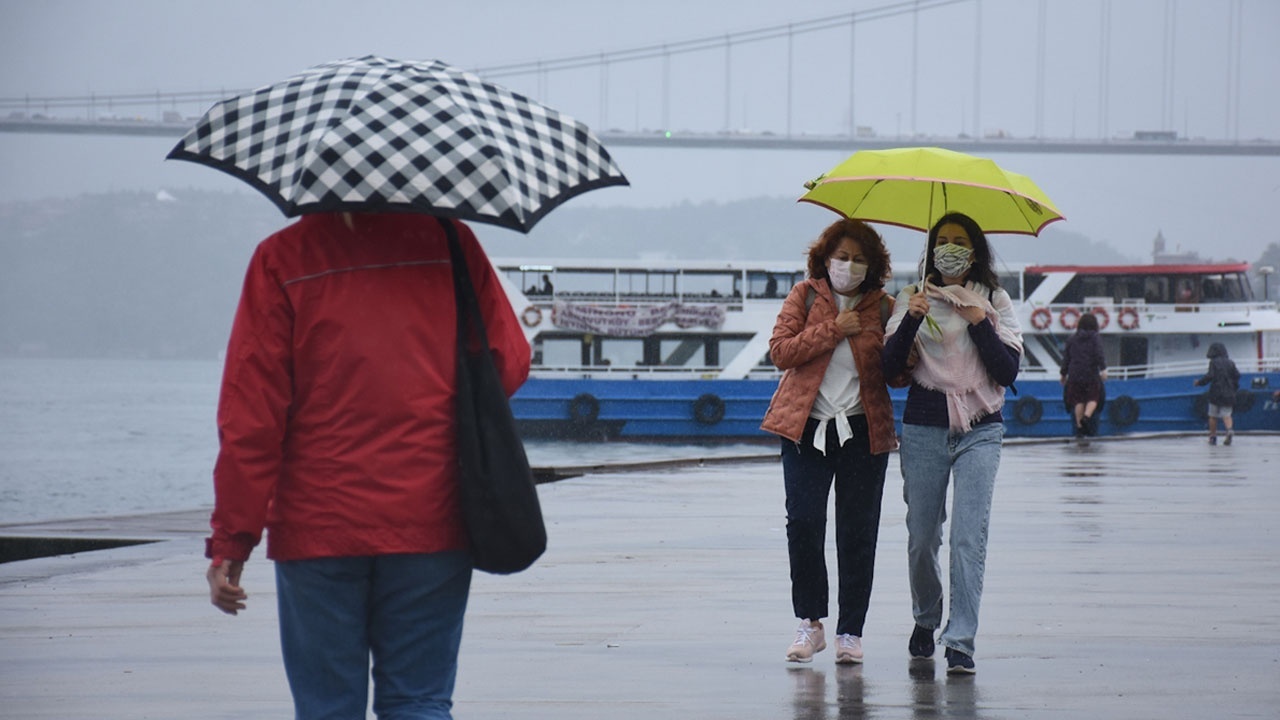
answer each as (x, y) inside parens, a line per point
(840, 394)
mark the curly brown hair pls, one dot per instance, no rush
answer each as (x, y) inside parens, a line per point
(873, 249)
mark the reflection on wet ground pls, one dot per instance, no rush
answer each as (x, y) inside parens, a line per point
(933, 693)
(810, 701)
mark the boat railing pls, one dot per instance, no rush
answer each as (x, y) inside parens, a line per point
(1173, 369)
(1143, 306)
(764, 372)
(761, 372)
(616, 298)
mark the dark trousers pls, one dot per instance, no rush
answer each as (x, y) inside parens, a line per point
(859, 482)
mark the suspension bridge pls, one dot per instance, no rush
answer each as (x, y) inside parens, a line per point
(651, 77)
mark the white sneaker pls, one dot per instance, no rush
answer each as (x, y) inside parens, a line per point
(848, 649)
(810, 639)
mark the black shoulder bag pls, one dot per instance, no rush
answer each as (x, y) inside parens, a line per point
(499, 501)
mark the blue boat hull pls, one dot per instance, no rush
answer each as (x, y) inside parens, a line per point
(704, 410)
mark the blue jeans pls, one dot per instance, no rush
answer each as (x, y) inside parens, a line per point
(404, 610)
(931, 457)
(859, 480)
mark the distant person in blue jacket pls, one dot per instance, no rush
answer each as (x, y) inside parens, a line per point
(1223, 380)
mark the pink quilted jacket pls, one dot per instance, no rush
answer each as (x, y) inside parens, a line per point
(802, 343)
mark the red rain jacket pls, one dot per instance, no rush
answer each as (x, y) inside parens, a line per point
(336, 421)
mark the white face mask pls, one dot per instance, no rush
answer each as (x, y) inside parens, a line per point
(952, 260)
(845, 275)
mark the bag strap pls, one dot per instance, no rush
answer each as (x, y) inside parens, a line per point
(464, 292)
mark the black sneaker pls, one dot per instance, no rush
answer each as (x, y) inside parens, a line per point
(1227, 440)
(921, 644)
(959, 663)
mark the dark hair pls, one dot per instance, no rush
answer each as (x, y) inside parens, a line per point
(983, 270)
(868, 239)
(1088, 321)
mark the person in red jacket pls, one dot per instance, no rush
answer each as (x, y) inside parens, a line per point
(337, 436)
(833, 414)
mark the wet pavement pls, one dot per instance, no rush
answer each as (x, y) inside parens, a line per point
(1128, 579)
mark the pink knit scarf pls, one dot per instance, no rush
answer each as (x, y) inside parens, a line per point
(950, 364)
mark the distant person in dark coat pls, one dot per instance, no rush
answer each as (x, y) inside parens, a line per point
(1223, 380)
(1084, 367)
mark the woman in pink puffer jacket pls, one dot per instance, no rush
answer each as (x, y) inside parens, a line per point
(833, 413)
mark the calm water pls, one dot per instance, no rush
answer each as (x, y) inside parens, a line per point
(106, 437)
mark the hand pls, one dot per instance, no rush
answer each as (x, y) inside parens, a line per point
(849, 322)
(224, 586)
(1103, 375)
(918, 305)
(973, 315)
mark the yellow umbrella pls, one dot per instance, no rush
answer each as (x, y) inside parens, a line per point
(913, 187)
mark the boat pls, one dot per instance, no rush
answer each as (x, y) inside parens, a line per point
(678, 350)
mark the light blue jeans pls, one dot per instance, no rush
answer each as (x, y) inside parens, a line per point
(403, 610)
(931, 457)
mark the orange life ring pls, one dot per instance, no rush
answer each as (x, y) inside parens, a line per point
(1127, 319)
(1103, 316)
(1041, 318)
(531, 316)
(1069, 318)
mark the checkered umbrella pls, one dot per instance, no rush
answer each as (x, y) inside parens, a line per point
(375, 134)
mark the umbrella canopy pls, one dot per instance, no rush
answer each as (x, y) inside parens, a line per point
(373, 134)
(913, 187)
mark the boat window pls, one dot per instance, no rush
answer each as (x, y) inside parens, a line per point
(1092, 287)
(536, 280)
(702, 286)
(620, 352)
(561, 352)
(730, 347)
(1071, 293)
(654, 283)
(1211, 288)
(1156, 290)
(1127, 287)
(770, 284)
(1030, 283)
(1235, 288)
(581, 284)
(1009, 281)
(684, 352)
(1185, 290)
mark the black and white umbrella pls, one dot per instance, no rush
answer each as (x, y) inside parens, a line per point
(373, 134)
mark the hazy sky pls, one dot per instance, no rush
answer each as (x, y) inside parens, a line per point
(1166, 70)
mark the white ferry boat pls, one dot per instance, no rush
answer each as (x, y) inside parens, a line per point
(679, 350)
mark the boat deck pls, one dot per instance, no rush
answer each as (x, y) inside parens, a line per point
(1130, 578)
